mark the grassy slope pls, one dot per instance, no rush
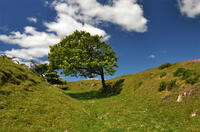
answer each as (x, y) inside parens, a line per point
(141, 108)
(33, 105)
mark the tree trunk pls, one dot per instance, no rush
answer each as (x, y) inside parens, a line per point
(102, 79)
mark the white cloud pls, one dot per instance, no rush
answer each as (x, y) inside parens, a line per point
(28, 54)
(191, 8)
(65, 25)
(75, 15)
(34, 44)
(152, 56)
(126, 13)
(32, 19)
(30, 38)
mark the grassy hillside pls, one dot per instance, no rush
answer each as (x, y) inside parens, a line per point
(146, 101)
(141, 106)
(28, 104)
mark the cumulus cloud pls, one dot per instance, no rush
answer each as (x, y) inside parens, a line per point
(191, 8)
(34, 44)
(65, 25)
(75, 15)
(28, 54)
(32, 19)
(30, 38)
(126, 13)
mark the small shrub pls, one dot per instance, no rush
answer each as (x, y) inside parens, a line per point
(192, 80)
(138, 85)
(163, 86)
(171, 85)
(163, 74)
(179, 72)
(166, 65)
(185, 73)
(190, 76)
(53, 78)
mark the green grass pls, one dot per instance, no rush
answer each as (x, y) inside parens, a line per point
(81, 107)
(32, 104)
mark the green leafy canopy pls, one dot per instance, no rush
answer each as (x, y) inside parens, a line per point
(83, 54)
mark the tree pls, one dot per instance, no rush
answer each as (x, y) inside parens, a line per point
(39, 69)
(53, 78)
(83, 54)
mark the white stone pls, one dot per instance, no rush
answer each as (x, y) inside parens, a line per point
(193, 114)
(179, 99)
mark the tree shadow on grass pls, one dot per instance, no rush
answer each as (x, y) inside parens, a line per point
(111, 90)
(64, 88)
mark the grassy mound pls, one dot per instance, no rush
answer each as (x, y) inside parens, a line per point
(28, 104)
(158, 99)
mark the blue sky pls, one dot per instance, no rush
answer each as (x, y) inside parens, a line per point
(144, 33)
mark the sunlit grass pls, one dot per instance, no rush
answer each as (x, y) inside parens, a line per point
(33, 105)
